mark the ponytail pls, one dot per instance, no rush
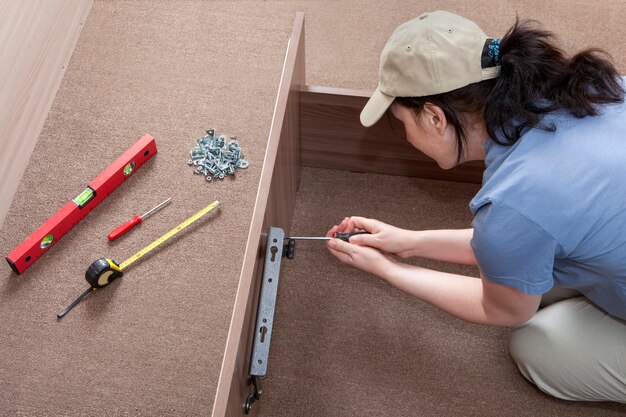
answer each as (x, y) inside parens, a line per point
(536, 78)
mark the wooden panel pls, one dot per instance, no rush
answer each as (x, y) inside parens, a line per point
(37, 39)
(274, 207)
(333, 137)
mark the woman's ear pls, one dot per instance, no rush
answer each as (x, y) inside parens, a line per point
(434, 117)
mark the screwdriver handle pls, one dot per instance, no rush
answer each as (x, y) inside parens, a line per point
(123, 228)
(346, 236)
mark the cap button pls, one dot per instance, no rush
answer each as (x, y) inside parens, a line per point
(424, 16)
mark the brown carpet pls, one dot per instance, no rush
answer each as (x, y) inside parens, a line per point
(345, 343)
(152, 343)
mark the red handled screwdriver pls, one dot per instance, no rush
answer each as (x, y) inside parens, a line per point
(125, 227)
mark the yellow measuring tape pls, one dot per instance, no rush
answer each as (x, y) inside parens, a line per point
(169, 234)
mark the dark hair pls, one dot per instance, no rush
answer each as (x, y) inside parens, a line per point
(536, 78)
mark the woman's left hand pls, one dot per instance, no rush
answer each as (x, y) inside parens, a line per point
(365, 258)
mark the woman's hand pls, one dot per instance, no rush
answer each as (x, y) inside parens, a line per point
(365, 258)
(384, 237)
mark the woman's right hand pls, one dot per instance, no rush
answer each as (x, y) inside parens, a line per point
(382, 236)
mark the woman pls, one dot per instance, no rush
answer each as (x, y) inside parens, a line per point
(550, 218)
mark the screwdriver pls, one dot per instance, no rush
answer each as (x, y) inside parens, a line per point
(125, 227)
(343, 236)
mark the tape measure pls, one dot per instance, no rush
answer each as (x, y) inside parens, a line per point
(168, 235)
(103, 271)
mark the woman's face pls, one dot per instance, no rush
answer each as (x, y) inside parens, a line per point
(429, 132)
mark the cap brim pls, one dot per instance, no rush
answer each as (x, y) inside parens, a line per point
(375, 108)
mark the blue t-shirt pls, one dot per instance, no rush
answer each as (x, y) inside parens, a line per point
(552, 209)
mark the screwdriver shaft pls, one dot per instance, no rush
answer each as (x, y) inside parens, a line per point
(309, 238)
(151, 211)
(343, 236)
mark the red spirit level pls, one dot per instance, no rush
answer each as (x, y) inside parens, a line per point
(75, 210)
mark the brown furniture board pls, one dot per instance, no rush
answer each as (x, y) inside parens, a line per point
(152, 342)
(305, 130)
(274, 207)
(333, 137)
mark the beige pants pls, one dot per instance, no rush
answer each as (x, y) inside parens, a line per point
(572, 350)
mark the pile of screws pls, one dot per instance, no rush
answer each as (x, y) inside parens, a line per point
(214, 158)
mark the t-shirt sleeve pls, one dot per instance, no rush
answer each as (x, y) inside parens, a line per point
(513, 250)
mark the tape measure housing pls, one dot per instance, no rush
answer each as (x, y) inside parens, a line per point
(102, 272)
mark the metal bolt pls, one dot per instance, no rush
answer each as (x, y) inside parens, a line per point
(214, 158)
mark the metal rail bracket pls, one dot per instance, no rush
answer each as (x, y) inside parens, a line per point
(275, 249)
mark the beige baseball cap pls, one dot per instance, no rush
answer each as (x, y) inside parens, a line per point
(432, 54)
